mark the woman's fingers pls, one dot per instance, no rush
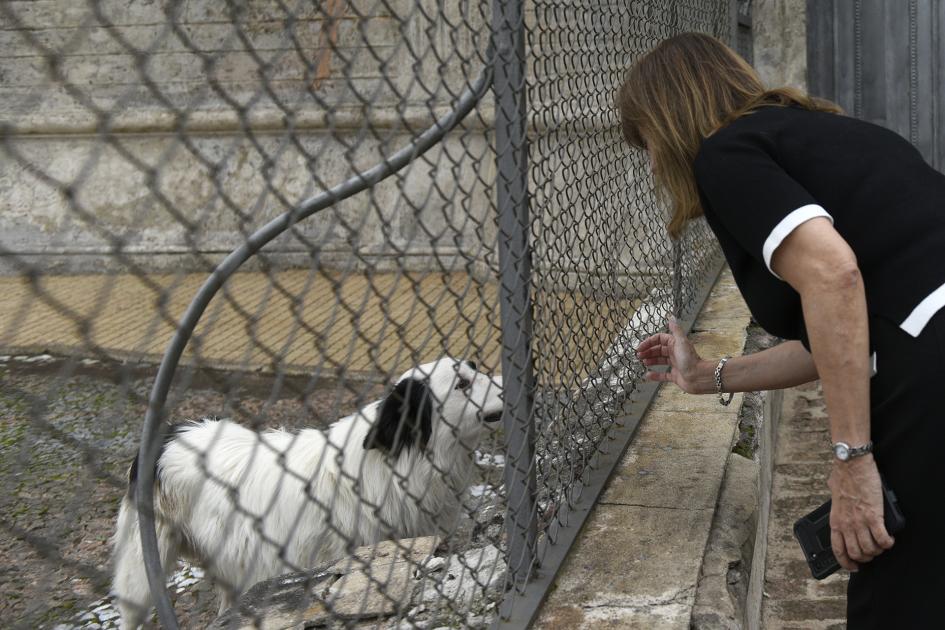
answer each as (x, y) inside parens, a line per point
(664, 349)
(665, 377)
(661, 344)
(671, 349)
(881, 536)
(655, 362)
(654, 351)
(655, 347)
(657, 351)
(868, 547)
(852, 547)
(873, 540)
(652, 341)
(840, 551)
(858, 533)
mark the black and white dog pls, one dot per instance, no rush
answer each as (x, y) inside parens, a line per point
(249, 506)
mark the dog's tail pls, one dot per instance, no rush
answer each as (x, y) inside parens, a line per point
(130, 586)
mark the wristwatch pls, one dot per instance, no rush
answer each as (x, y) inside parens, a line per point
(844, 452)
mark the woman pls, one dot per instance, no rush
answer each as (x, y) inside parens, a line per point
(834, 230)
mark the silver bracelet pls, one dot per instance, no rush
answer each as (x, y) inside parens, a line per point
(718, 382)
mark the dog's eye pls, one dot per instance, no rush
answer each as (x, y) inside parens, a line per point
(463, 383)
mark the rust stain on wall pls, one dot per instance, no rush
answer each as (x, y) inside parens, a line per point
(334, 10)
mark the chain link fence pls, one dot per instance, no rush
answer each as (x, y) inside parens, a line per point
(299, 209)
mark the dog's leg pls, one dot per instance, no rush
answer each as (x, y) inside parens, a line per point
(226, 599)
(130, 587)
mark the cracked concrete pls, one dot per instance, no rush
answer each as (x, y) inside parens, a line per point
(639, 559)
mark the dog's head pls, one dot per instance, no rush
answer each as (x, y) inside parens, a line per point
(444, 401)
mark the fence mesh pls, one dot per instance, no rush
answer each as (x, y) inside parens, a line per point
(144, 141)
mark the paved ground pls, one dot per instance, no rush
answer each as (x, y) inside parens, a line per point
(638, 559)
(794, 600)
(298, 319)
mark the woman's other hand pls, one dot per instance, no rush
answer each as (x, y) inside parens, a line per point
(857, 530)
(675, 350)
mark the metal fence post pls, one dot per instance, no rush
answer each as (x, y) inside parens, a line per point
(508, 27)
(677, 278)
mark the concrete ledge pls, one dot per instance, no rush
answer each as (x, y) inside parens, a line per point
(639, 559)
(773, 407)
(723, 580)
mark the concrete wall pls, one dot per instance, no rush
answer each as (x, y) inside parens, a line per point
(780, 42)
(139, 136)
(171, 139)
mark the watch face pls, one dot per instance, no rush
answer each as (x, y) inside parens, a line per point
(842, 451)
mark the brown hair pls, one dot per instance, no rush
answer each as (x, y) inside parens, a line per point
(680, 93)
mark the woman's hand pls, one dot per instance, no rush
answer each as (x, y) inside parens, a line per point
(675, 350)
(857, 531)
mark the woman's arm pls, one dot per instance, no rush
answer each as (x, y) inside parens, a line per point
(816, 261)
(785, 365)
(819, 264)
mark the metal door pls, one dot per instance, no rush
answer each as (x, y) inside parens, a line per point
(882, 61)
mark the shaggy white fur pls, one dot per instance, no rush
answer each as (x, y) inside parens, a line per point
(249, 506)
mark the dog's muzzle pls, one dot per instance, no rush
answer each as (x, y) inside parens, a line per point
(492, 417)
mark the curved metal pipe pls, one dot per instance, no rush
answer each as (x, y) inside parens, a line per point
(152, 432)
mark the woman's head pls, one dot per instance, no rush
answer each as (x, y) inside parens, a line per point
(680, 93)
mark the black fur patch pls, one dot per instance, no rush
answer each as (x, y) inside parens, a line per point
(405, 418)
(172, 432)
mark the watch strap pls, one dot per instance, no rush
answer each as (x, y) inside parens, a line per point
(856, 451)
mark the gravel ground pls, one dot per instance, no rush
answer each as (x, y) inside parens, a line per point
(66, 440)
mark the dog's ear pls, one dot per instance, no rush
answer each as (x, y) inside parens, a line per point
(405, 418)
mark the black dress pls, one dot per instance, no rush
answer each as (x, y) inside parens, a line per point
(765, 174)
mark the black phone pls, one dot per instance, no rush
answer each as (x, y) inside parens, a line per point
(813, 533)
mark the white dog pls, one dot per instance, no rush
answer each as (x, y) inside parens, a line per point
(249, 506)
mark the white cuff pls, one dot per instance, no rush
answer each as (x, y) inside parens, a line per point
(786, 226)
(922, 313)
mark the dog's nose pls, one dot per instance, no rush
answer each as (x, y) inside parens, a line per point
(492, 417)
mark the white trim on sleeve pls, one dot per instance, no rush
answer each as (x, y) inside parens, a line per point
(788, 225)
(922, 313)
